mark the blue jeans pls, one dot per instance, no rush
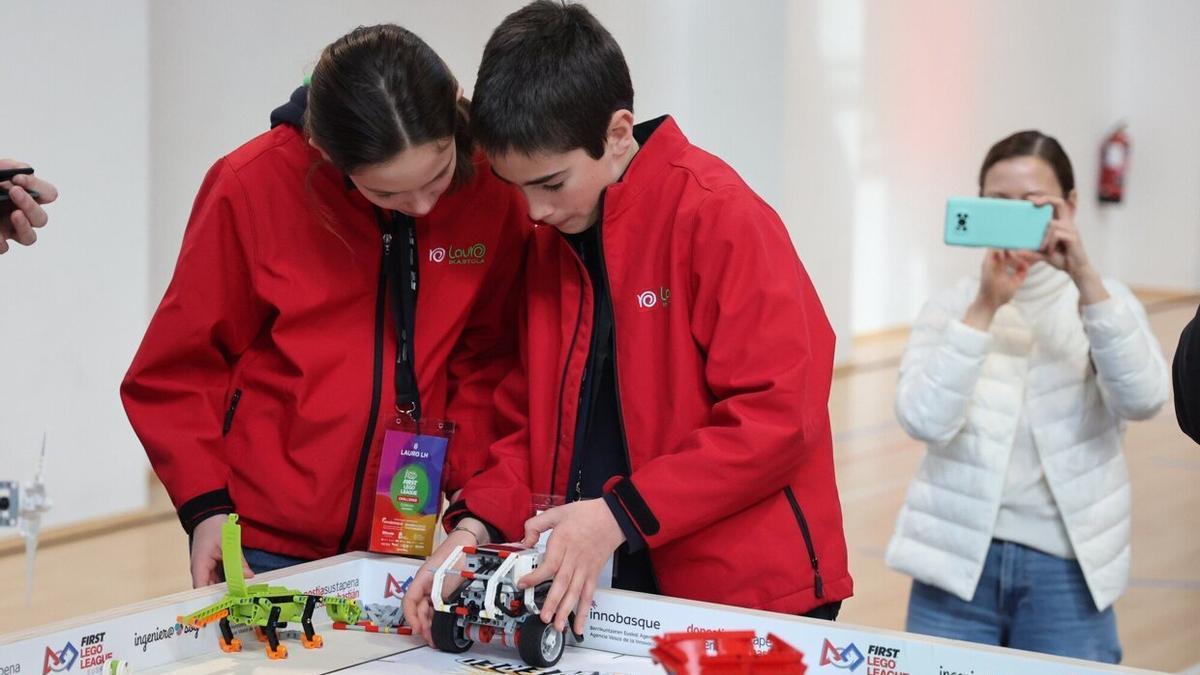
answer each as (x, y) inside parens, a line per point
(1025, 599)
(265, 561)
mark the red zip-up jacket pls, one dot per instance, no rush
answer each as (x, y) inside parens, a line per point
(265, 379)
(724, 358)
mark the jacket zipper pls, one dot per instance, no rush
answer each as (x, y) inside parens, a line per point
(376, 390)
(233, 404)
(412, 338)
(818, 584)
(562, 387)
(617, 376)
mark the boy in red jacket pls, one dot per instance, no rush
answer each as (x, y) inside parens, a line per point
(676, 358)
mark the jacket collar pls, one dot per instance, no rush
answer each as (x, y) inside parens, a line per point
(655, 156)
(1043, 281)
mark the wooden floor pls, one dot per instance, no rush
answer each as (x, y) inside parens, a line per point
(1159, 616)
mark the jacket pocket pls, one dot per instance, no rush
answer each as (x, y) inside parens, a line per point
(231, 411)
(818, 584)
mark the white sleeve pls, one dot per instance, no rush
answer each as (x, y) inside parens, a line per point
(1130, 367)
(938, 372)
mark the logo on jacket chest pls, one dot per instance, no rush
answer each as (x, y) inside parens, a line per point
(459, 254)
(653, 298)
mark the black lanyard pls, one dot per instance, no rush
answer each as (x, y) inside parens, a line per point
(402, 277)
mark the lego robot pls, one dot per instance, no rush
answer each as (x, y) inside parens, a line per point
(267, 608)
(489, 607)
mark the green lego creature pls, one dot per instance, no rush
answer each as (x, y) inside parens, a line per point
(266, 608)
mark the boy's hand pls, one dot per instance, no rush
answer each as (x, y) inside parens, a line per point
(585, 535)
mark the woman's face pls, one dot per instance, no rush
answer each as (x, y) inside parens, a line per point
(412, 181)
(1023, 178)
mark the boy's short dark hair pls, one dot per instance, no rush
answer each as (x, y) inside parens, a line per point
(550, 80)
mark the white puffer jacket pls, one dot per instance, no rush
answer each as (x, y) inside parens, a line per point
(1083, 372)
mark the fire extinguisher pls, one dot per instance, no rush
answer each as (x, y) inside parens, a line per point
(1114, 163)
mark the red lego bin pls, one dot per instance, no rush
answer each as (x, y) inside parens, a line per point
(724, 653)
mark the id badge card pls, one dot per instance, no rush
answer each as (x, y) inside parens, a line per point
(542, 503)
(408, 492)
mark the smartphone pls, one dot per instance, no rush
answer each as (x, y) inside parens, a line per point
(996, 223)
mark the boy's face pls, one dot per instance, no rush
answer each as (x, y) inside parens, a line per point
(563, 189)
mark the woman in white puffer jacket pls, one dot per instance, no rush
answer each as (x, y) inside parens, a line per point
(1016, 527)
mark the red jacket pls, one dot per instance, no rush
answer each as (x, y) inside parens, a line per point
(724, 360)
(265, 378)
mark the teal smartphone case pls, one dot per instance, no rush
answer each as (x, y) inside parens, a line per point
(996, 223)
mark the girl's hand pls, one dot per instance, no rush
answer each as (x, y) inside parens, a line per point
(418, 599)
(206, 552)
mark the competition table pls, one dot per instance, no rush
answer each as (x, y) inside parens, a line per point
(618, 637)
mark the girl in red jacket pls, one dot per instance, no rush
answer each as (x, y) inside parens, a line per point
(353, 261)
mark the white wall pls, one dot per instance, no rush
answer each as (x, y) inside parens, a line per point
(72, 308)
(1157, 76)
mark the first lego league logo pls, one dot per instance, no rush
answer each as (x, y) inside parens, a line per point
(90, 654)
(879, 660)
(395, 589)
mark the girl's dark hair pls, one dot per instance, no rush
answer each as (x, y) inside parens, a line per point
(380, 90)
(1032, 144)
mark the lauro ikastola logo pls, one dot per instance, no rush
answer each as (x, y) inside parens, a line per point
(650, 299)
(474, 254)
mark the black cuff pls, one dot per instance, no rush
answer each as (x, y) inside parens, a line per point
(204, 506)
(454, 513)
(634, 541)
(458, 510)
(636, 507)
